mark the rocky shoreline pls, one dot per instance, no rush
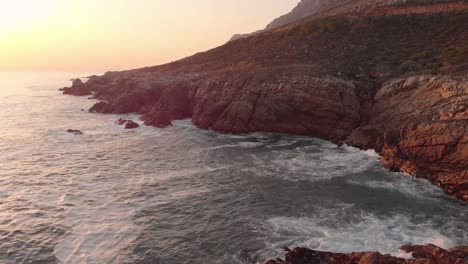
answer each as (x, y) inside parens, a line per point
(417, 123)
(397, 84)
(426, 254)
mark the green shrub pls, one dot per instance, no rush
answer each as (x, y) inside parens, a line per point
(421, 55)
(454, 55)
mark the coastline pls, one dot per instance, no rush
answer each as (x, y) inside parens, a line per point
(409, 105)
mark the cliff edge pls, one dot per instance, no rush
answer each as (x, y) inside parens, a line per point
(393, 81)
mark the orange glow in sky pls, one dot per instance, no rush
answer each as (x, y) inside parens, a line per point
(92, 35)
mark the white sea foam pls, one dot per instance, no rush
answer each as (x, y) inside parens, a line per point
(407, 185)
(102, 224)
(370, 233)
(94, 197)
(319, 162)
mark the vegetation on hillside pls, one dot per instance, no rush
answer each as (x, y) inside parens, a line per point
(346, 46)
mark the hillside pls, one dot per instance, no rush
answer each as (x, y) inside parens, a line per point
(303, 9)
(321, 8)
(391, 78)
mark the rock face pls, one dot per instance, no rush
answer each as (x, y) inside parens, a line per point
(422, 254)
(419, 125)
(324, 107)
(394, 83)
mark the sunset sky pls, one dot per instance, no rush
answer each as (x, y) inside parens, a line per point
(96, 35)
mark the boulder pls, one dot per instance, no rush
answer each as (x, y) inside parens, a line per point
(131, 125)
(75, 131)
(128, 124)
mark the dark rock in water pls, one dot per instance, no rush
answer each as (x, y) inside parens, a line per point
(101, 107)
(131, 125)
(157, 119)
(78, 88)
(128, 124)
(422, 254)
(121, 121)
(75, 131)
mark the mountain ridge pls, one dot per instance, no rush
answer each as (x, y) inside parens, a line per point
(309, 8)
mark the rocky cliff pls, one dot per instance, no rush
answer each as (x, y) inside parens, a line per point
(396, 83)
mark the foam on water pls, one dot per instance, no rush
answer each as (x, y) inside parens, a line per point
(182, 194)
(319, 160)
(407, 185)
(340, 230)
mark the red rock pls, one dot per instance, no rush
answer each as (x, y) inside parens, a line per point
(427, 254)
(131, 125)
(128, 124)
(433, 254)
(101, 107)
(121, 121)
(461, 252)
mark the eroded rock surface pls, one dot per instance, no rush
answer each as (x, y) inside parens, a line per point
(419, 125)
(427, 254)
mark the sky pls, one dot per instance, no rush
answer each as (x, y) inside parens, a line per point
(101, 35)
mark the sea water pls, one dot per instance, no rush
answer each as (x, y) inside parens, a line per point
(185, 195)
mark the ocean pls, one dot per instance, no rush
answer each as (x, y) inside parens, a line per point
(185, 195)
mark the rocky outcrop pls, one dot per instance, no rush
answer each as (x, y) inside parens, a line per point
(325, 107)
(419, 125)
(128, 124)
(422, 254)
(396, 84)
(131, 125)
(78, 88)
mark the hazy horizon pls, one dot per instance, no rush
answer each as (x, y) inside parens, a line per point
(55, 35)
